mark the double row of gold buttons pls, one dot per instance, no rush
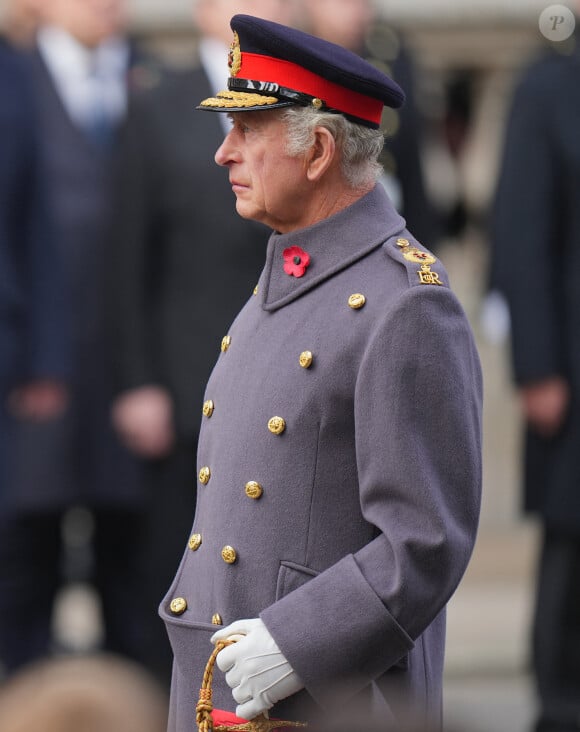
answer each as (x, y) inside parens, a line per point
(253, 489)
(276, 425)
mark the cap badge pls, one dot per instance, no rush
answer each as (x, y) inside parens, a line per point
(296, 261)
(235, 56)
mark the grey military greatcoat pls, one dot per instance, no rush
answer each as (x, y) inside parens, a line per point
(347, 522)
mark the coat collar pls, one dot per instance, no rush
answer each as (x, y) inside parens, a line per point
(332, 244)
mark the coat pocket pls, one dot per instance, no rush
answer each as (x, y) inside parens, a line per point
(191, 650)
(291, 576)
(190, 643)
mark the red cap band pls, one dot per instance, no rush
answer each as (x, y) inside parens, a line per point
(256, 67)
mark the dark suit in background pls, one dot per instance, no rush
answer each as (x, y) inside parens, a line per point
(401, 156)
(536, 264)
(33, 334)
(185, 262)
(75, 460)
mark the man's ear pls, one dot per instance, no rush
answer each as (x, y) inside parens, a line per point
(322, 154)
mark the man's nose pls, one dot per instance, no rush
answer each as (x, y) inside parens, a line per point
(226, 151)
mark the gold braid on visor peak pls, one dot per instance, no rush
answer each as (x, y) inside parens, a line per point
(228, 99)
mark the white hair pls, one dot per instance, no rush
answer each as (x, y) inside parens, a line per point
(359, 146)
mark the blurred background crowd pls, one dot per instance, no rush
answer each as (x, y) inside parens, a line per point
(122, 263)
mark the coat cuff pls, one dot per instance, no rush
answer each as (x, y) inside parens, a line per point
(336, 633)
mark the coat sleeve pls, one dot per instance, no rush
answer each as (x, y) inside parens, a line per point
(418, 443)
(525, 231)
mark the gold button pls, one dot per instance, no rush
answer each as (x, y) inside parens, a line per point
(226, 342)
(178, 605)
(204, 475)
(229, 554)
(216, 619)
(276, 425)
(402, 243)
(194, 542)
(306, 359)
(253, 489)
(256, 288)
(208, 407)
(356, 301)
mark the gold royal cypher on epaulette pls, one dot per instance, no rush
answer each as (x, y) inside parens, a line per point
(412, 254)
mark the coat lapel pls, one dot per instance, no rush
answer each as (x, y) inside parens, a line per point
(333, 245)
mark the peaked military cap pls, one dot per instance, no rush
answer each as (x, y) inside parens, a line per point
(272, 66)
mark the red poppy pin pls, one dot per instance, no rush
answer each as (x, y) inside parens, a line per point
(296, 261)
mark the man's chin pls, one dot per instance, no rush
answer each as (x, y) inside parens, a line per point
(247, 212)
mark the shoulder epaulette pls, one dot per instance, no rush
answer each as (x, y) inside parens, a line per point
(423, 268)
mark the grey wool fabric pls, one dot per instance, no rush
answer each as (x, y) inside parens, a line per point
(370, 496)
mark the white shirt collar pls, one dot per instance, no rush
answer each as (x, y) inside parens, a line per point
(79, 72)
(63, 54)
(214, 59)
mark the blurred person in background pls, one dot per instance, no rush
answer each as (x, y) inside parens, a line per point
(354, 24)
(536, 265)
(79, 66)
(20, 21)
(96, 693)
(34, 346)
(184, 264)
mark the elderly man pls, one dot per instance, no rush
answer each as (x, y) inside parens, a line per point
(339, 457)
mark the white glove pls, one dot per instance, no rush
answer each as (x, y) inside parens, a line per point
(256, 671)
